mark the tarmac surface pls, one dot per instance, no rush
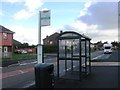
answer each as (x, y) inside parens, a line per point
(100, 77)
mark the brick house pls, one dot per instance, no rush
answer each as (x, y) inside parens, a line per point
(6, 41)
(51, 40)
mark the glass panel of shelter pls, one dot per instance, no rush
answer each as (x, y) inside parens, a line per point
(69, 50)
(85, 44)
(88, 56)
(83, 56)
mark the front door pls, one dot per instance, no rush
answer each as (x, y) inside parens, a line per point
(5, 51)
(0, 51)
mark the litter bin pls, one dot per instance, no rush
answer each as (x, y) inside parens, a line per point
(44, 75)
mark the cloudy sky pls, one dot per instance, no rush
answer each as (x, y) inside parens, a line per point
(98, 20)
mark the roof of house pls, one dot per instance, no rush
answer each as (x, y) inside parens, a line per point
(52, 36)
(5, 30)
(16, 42)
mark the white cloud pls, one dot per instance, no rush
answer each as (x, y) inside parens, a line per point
(104, 14)
(79, 26)
(22, 14)
(84, 10)
(32, 5)
(25, 34)
(30, 35)
(80, 0)
(30, 9)
(47, 31)
(103, 35)
(12, 1)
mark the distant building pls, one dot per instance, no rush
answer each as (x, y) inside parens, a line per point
(51, 40)
(6, 41)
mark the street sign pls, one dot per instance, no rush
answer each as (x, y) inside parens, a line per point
(45, 18)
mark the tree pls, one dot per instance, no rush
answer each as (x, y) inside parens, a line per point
(116, 44)
(24, 45)
(99, 44)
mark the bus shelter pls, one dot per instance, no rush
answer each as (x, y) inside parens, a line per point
(74, 55)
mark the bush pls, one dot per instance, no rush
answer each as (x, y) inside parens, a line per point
(50, 48)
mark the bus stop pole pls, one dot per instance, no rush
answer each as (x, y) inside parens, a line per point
(39, 46)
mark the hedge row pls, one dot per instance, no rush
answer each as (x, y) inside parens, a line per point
(50, 48)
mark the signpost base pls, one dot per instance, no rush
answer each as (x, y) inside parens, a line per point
(40, 54)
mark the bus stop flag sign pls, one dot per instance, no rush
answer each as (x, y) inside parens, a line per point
(43, 21)
(45, 18)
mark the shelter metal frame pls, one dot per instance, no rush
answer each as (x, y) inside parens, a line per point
(73, 46)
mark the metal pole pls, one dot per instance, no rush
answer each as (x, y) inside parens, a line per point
(65, 58)
(72, 56)
(86, 57)
(80, 60)
(39, 47)
(89, 58)
(39, 32)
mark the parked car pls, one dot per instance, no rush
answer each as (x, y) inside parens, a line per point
(24, 51)
(18, 52)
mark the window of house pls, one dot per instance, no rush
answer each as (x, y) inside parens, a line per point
(4, 35)
(51, 42)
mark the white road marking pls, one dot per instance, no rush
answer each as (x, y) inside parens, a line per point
(97, 57)
(28, 63)
(21, 71)
(105, 64)
(102, 56)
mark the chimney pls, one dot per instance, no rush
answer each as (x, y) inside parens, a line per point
(61, 31)
(47, 36)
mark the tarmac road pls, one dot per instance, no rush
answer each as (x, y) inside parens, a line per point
(113, 57)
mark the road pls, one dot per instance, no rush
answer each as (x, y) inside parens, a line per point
(23, 75)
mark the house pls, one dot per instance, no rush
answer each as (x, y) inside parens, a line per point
(51, 40)
(6, 41)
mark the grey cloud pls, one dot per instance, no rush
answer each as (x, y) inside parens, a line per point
(104, 14)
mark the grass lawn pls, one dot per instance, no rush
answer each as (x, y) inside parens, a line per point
(20, 56)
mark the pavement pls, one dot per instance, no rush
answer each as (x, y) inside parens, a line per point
(100, 77)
